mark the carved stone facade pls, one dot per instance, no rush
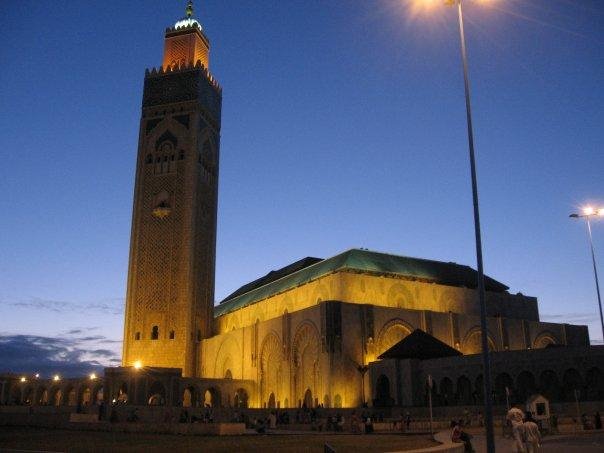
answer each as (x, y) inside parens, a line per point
(170, 292)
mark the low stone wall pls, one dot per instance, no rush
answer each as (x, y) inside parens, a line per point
(87, 422)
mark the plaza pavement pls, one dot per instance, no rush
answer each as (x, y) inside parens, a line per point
(582, 443)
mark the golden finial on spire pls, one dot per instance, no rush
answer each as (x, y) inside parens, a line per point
(189, 9)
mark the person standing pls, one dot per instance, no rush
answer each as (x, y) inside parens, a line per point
(532, 435)
(515, 416)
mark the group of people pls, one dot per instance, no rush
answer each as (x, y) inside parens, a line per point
(526, 436)
(525, 431)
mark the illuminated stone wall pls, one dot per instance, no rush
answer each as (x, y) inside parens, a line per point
(169, 302)
(383, 291)
(301, 342)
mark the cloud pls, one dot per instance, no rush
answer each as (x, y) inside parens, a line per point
(70, 357)
(112, 306)
(570, 318)
(103, 353)
(74, 332)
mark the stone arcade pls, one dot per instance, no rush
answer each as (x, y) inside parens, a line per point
(310, 333)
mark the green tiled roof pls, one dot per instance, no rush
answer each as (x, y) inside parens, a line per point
(450, 274)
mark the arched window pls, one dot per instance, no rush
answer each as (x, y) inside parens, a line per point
(171, 335)
(137, 336)
(198, 335)
(155, 333)
(149, 158)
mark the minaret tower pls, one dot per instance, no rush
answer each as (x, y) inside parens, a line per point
(170, 296)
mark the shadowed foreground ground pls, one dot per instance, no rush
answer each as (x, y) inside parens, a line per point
(72, 441)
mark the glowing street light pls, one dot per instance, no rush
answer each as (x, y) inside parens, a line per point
(138, 365)
(587, 213)
(56, 378)
(92, 376)
(37, 375)
(23, 379)
(486, 361)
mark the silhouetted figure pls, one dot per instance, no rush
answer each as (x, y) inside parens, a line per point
(458, 435)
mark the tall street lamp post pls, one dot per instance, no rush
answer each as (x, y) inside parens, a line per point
(486, 362)
(587, 214)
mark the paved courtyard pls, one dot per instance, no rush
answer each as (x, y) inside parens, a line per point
(584, 443)
(39, 439)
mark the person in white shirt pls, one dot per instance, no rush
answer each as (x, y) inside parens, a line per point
(532, 436)
(515, 416)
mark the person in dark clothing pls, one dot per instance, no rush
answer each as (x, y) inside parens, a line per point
(458, 435)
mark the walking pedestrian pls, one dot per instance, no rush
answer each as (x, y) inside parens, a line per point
(532, 436)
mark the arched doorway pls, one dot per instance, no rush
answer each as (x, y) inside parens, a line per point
(270, 369)
(544, 340)
(594, 383)
(71, 397)
(549, 385)
(211, 397)
(241, 398)
(15, 395)
(525, 386)
(337, 401)
(86, 398)
(382, 392)
(98, 394)
(56, 397)
(157, 394)
(42, 396)
(189, 397)
(571, 383)
(28, 396)
(392, 332)
(446, 391)
(478, 395)
(503, 383)
(271, 401)
(472, 344)
(305, 354)
(307, 402)
(122, 394)
(464, 391)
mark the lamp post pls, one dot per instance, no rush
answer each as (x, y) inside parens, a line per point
(486, 362)
(587, 213)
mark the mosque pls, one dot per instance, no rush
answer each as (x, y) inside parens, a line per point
(361, 327)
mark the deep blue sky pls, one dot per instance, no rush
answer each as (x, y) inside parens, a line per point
(343, 126)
